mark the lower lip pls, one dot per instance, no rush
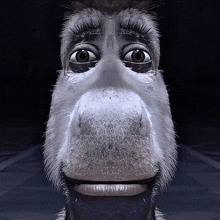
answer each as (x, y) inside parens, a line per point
(110, 189)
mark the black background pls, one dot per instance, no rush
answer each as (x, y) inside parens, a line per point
(29, 60)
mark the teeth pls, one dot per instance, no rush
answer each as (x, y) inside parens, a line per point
(110, 189)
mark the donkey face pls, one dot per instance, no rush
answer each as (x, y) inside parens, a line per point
(110, 131)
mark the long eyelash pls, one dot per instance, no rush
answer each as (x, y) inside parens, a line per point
(132, 28)
(144, 30)
(85, 29)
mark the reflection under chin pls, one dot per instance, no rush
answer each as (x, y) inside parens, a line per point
(89, 207)
(108, 207)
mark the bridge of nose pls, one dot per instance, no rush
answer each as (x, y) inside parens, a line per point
(110, 66)
(110, 41)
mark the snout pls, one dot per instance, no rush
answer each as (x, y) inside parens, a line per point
(110, 114)
(110, 142)
(109, 123)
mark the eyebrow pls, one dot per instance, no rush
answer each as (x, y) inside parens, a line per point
(133, 31)
(85, 32)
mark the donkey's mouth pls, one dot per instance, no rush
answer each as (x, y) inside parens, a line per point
(110, 189)
(98, 188)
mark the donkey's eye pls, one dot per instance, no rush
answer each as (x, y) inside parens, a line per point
(82, 60)
(83, 56)
(137, 56)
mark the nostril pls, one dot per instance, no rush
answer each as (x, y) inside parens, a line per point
(82, 125)
(140, 123)
(79, 122)
(76, 125)
(144, 124)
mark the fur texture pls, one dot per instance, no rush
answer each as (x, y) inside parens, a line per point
(110, 118)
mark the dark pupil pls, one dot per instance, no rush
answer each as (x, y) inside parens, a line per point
(82, 56)
(138, 56)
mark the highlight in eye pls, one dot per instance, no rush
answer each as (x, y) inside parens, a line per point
(137, 56)
(82, 56)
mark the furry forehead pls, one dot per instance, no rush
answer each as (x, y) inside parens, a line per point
(109, 6)
(93, 17)
(91, 21)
